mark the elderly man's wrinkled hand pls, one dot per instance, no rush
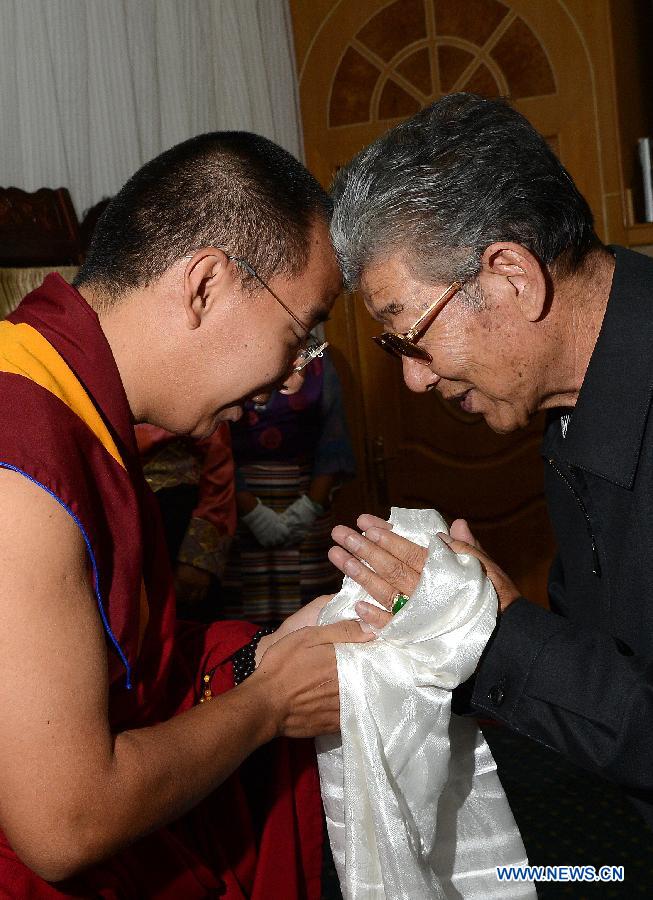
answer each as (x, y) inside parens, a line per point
(382, 562)
(385, 564)
(461, 540)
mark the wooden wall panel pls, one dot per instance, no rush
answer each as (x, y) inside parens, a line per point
(365, 66)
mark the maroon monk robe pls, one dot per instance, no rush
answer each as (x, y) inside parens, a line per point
(66, 425)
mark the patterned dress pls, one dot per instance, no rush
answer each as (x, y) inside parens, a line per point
(278, 449)
(193, 480)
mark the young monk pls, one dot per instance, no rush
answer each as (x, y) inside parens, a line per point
(206, 273)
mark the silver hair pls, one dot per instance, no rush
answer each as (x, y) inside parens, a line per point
(441, 187)
(381, 209)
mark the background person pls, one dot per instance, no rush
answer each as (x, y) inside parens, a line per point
(291, 454)
(193, 481)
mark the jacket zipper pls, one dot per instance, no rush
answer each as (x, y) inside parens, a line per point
(596, 567)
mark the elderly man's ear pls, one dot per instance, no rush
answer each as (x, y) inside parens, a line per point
(522, 274)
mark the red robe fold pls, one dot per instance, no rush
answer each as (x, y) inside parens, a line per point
(65, 424)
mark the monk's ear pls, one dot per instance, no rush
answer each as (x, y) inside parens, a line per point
(206, 277)
(521, 274)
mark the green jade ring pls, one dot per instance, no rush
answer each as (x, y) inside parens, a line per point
(400, 600)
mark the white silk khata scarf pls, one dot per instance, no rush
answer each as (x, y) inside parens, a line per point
(414, 806)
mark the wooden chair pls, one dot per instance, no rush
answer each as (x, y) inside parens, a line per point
(38, 229)
(39, 233)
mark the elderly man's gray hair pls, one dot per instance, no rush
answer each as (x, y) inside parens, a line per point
(440, 188)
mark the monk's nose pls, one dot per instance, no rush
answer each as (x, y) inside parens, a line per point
(293, 383)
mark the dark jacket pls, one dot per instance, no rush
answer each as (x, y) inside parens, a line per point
(579, 678)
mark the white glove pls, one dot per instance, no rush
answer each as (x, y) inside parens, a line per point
(267, 526)
(299, 517)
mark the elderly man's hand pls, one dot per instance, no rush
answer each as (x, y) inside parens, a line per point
(461, 540)
(396, 563)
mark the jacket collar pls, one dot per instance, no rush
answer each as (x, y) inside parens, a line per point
(607, 424)
(64, 318)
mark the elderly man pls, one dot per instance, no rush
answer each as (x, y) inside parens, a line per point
(473, 247)
(206, 273)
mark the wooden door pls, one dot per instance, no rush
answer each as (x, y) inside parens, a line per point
(364, 66)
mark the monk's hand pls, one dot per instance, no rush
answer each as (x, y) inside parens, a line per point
(461, 540)
(305, 616)
(394, 564)
(302, 678)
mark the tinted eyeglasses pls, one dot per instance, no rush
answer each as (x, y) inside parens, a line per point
(405, 343)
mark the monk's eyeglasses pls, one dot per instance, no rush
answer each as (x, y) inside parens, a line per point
(405, 343)
(311, 348)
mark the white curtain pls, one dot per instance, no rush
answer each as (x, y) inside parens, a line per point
(92, 89)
